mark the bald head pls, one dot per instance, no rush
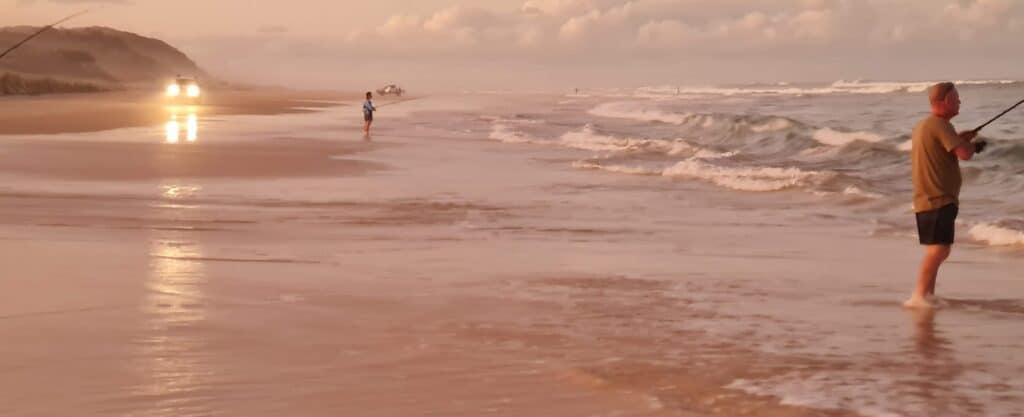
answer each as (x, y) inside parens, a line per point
(945, 100)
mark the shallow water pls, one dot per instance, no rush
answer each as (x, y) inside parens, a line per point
(847, 142)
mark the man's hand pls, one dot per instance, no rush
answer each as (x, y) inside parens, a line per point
(979, 146)
(969, 136)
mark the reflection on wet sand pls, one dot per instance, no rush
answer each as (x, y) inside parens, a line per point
(179, 191)
(183, 122)
(928, 343)
(172, 361)
(936, 366)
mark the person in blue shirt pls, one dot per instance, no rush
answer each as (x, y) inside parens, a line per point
(368, 110)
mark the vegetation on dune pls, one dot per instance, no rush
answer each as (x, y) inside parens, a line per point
(14, 84)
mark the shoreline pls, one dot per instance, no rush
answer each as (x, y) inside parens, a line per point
(95, 112)
(136, 137)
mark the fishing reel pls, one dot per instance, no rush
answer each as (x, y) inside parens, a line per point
(980, 146)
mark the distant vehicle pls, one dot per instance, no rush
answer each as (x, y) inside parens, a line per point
(184, 89)
(390, 90)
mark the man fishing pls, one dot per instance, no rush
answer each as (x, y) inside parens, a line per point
(935, 155)
(368, 110)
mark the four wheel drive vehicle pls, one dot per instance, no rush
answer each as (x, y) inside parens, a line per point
(183, 89)
(390, 90)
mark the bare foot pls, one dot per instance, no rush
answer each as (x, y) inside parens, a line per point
(935, 301)
(917, 302)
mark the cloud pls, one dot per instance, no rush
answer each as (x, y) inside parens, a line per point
(581, 41)
(726, 25)
(666, 34)
(556, 7)
(457, 29)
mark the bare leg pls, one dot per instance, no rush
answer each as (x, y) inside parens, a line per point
(934, 256)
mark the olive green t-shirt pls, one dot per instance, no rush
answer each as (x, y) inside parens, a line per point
(935, 167)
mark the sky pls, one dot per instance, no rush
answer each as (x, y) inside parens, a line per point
(430, 45)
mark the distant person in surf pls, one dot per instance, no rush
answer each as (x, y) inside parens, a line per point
(368, 110)
(935, 155)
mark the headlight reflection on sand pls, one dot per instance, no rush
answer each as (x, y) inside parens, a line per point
(180, 191)
(170, 356)
(173, 129)
(177, 273)
(183, 120)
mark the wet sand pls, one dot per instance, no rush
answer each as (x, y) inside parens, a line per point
(87, 160)
(428, 271)
(71, 113)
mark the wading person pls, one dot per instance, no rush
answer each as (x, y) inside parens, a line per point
(935, 155)
(368, 110)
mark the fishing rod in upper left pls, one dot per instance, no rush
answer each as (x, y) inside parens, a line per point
(40, 31)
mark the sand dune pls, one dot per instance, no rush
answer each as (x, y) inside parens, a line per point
(97, 54)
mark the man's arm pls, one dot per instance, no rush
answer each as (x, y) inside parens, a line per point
(965, 151)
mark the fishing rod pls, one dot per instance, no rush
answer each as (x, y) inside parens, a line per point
(40, 31)
(978, 129)
(399, 101)
(979, 147)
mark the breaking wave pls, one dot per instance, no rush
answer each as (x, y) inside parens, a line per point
(998, 234)
(787, 89)
(641, 111)
(750, 178)
(588, 139)
(833, 137)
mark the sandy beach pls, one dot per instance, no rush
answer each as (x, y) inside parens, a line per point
(274, 262)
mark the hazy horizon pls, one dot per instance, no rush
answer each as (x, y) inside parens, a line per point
(560, 44)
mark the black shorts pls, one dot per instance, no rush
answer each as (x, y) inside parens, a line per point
(367, 116)
(937, 227)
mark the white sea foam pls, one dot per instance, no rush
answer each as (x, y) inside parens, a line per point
(622, 169)
(742, 178)
(810, 392)
(588, 139)
(906, 146)
(710, 154)
(876, 394)
(995, 235)
(832, 137)
(641, 111)
(507, 134)
(636, 111)
(759, 179)
(772, 125)
(838, 87)
(857, 192)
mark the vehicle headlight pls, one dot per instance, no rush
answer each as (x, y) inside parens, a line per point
(173, 90)
(193, 91)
